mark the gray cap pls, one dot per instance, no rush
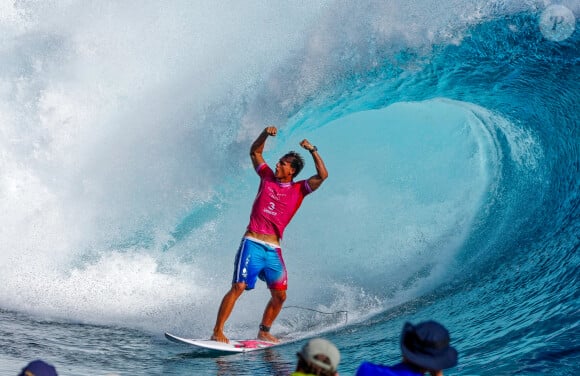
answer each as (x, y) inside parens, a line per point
(318, 346)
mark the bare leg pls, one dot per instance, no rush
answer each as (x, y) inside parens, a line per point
(272, 310)
(225, 310)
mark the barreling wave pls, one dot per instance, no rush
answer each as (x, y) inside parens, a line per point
(450, 131)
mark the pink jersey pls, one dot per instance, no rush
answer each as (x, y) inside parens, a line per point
(276, 203)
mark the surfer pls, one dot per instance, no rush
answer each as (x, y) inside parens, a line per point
(259, 254)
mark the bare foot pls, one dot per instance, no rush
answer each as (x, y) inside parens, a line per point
(220, 337)
(265, 336)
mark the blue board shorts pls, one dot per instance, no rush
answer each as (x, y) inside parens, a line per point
(256, 259)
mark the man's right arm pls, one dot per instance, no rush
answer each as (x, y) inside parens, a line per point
(257, 147)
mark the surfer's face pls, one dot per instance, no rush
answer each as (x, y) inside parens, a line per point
(284, 170)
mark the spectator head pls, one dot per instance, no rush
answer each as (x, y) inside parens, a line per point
(38, 368)
(426, 345)
(318, 357)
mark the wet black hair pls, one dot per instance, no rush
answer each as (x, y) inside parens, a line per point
(296, 161)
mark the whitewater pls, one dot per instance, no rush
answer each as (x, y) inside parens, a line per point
(450, 130)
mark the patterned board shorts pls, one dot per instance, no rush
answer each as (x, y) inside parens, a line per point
(256, 259)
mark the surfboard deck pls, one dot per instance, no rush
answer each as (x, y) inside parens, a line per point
(234, 346)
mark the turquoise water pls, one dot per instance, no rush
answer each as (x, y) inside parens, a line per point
(450, 131)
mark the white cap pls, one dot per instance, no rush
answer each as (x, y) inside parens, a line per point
(320, 346)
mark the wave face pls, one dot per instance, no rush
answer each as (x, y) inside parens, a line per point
(449, 129)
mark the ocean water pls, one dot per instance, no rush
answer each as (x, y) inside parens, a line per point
(450, 130)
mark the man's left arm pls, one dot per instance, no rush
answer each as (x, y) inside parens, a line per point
(321, 174)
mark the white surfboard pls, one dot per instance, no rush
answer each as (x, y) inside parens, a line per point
(234, 346)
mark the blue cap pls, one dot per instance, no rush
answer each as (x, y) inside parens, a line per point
(427, 345)
(38, 368)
